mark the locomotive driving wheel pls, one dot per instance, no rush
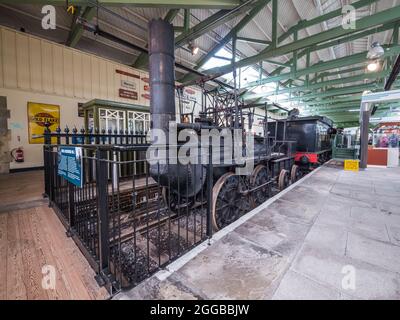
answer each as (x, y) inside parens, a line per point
(283, 179)
(175, 203)
(295, 173)
(259, 177)
(228, 203)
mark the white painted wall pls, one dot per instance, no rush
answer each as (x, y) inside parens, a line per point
(37, 65)
(37, 70)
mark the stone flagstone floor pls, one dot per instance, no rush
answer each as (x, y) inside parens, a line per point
(335, 235)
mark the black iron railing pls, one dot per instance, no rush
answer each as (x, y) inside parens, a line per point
(127, 225)
(94, 136)
(128, 220)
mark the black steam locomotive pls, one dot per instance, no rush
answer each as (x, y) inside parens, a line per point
(233, 194)
(313, 136)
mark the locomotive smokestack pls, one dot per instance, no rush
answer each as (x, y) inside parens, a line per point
(162, 73)
(185, 180)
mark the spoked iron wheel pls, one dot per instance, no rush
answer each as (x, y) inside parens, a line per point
(283, 180)
(295, 173)
(174, 203)
(259, 177)
(229, 203)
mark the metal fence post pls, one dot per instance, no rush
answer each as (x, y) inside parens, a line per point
(102, 209)
(46, 161)
(71, 208)
(46, 168)
(209, 191)
(52, 173)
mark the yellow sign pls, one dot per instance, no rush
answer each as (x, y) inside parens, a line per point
(40, 114)
(71, 9)
(351, 165)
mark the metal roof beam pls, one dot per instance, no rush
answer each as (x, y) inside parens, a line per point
(225, 40)
(329, 74)
(338, 111)
(349, 104)
(211, 23)
(77, 30)
(356, 97)
(323, 66)
(330, 15)
(355, 105)
(199, 29)
(171, 14)
(177, 4)
(143, 58)
(337, 42)
(379, 18)
(335, 92)
(319, 85)
(274, 23)
(251, 40)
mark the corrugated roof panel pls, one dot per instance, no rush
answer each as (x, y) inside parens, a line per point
(290, 13)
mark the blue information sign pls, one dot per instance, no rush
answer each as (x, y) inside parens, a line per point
(70, 164)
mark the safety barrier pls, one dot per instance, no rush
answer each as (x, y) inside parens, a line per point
(126, 224)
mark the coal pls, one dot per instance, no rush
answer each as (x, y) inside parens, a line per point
(196, 222)
(167, 242)
(135, 265)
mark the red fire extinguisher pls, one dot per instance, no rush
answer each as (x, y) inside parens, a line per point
(18, 154)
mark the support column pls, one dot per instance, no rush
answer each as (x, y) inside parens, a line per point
(364, 128)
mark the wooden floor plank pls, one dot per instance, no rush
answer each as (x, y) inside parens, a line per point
(52, 250)
(16, 288)
(46, 257)
(65, 256)
(32, 268)
(77, 265)
(32, 238)
(21, 187)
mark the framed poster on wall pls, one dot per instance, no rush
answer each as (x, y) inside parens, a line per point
(38, 115)
(81, 112)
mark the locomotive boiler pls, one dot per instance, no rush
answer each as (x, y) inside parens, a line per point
(183, 185)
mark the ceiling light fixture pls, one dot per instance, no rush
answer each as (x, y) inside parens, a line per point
(373, 66)
(194, 49)
(375, 51)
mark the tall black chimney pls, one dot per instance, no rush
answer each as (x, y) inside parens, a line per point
(162, 73)
(187, 180)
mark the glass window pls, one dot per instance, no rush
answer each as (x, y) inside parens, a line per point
(111, 120)
(138, 122)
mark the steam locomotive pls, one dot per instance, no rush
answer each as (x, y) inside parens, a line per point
(313, 136)
(277, 159)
